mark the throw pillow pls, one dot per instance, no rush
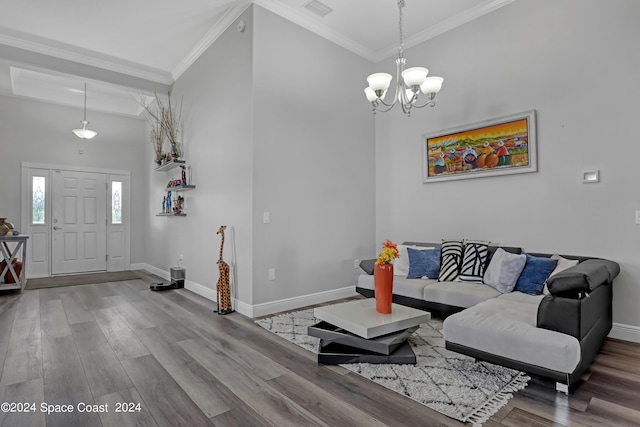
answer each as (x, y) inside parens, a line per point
(451, 257)
(563, 264)
(535, 273)
(401, 264)
(474, 261)
(425, 263)
(367, 265)
(504, 270)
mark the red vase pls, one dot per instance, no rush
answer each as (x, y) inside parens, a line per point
(383, 284)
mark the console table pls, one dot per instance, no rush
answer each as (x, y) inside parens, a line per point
(8, 256)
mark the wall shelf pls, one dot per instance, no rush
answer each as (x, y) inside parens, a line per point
(179, 188)
(171, 214)
(170, 165)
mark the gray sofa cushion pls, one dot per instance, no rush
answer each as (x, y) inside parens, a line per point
(458, 294)
(507, 328)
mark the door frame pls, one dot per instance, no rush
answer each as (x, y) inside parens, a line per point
(43, 269)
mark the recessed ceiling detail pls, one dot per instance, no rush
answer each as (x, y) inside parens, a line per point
(65, 89)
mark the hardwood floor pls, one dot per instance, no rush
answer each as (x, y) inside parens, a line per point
(176, 363)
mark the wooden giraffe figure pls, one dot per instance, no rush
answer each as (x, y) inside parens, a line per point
(223, 289)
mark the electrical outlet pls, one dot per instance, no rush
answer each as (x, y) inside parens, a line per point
(638, 217)
(356, 263)
(272, 274)
(180, 258)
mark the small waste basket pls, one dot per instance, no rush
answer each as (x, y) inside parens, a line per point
(177, 277)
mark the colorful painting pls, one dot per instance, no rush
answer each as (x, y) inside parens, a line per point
(506, 145)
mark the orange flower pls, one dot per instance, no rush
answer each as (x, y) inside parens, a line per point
(388, 254)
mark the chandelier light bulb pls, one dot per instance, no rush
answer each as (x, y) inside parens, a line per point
(414, 76)
(371, 94)
(431, 85)
(379, 82)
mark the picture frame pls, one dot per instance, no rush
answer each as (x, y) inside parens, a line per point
(502, 146)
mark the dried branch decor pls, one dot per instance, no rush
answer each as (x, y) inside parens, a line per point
(167, 122)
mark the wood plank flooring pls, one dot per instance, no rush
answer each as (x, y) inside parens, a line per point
(179, 364)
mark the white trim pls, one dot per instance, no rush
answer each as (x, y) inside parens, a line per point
(296, 16)
(258, 310)
(74, 168)
(301, 301)
(71, 53)
(625, 332)
(212, 35)
(442, 27)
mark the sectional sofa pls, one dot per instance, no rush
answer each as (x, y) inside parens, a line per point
(556, 334)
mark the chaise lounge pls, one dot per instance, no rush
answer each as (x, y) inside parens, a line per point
(555, 334)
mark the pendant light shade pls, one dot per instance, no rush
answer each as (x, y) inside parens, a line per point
(85, 133)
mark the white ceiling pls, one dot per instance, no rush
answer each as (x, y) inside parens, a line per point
(154, 41)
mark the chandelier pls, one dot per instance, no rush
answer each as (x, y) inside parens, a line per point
(85, 133)
(410, 82)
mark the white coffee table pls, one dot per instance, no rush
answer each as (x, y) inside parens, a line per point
(361, 318)
(354, 332)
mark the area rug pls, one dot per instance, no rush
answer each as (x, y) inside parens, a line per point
(450, 383)
(81, 279)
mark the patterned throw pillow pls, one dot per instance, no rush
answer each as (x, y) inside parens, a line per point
(474, 261)
(451, 257)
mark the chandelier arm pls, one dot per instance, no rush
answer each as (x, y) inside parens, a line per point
(431, 103)
(390, 106)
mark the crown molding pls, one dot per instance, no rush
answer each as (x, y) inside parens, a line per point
(297, 17)
(444, 26)
(212, 35)
(67, 52)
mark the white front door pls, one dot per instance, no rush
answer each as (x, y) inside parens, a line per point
(79, 222)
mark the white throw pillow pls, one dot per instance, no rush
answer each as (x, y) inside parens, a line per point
(504, 270)
(563, 264)
(401, 264)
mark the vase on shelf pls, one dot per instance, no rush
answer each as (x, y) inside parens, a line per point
(383, 287)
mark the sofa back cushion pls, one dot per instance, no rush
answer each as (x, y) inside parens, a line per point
(504, 270)
(451, 258)
(535, 273)
(474, 261)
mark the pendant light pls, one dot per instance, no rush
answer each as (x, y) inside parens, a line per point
(85, 133)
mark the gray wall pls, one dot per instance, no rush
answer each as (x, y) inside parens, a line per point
(41, 133)
(217, 144)
(313, 161)
(573, 61)
(260, 139)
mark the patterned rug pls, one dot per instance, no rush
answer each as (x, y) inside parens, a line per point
(450, 383)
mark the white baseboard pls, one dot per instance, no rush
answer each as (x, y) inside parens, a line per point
(271, 307)
(625, 332)
(257, 310)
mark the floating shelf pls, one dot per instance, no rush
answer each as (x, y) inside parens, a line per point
(171, 214)
(171, 165)
(181, 188)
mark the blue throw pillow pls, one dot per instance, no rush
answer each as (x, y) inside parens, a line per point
(535, 273)
(423, 263)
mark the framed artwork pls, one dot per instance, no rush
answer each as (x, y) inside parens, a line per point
(502, 146)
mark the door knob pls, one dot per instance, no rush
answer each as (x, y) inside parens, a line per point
(55, 227)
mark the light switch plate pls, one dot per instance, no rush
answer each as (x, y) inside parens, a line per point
(591, 177)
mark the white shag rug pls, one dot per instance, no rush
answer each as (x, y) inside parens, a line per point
(450, 383)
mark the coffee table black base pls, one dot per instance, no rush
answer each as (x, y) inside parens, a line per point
(385, 344)
(333, 353)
